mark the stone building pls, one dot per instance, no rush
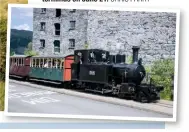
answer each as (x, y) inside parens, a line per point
(60, 31)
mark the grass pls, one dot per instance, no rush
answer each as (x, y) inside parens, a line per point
(2, 94)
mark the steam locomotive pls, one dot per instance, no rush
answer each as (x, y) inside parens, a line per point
(98, 71)
(92, 70)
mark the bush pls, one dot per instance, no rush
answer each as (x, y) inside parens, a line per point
(162, 72)
(29, 52)
(129, 59)
(2, 94)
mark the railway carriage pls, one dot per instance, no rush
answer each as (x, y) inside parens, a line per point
(51, 68)
(19, 66)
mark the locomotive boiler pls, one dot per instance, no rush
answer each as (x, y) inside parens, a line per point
(98, 71)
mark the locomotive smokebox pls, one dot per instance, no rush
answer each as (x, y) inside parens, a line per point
(135, 53)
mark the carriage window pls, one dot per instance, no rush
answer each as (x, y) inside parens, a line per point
(23, 61)
(15, 62)
(37, 62)
(50, 63)
(33, 63)
(41, 62)
(62, 64)
(46, 63)
(18, 63)
(53, 63)
(58, 63)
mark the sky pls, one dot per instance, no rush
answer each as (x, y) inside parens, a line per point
(22, 18)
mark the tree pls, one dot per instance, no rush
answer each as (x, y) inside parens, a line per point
(29, 52)
(3, 39)
(12, 52)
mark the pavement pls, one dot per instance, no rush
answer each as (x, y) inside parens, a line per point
(31, 98)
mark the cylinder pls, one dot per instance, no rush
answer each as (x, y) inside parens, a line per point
(135, 53)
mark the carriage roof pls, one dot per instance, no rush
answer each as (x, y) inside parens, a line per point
(52, 56)
(18, 56)
(41, 56)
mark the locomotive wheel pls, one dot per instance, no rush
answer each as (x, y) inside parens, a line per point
(121, 95)
(142, 98)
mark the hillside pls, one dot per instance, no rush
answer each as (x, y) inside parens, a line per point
(19, 40)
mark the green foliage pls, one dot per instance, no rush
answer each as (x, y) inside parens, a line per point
(86, 45)
(129, 59)
(29, 52)
(162, 71)
(3, 34)
(19, 40)
(12, 53)
(3, 39)
(2, 94)
(148, 69)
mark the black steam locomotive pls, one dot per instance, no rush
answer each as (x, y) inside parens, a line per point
(96, 70)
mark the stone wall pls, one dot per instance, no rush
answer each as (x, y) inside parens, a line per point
(79, 34)
(116, 31)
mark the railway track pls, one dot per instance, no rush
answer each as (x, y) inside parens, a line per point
(164, 104)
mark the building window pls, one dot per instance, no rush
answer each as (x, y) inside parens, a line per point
(57, 28)
(43, 10)
(42, 41)
(73, 10)
(72, 25)
(58, 12)
(56, 46)
(71, 43)
(42, 26)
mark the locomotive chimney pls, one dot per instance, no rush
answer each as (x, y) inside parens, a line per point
(135, 53)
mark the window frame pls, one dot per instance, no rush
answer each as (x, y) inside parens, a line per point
(42, 45)
(72, 25)
(57, 29)
(71, 45)
(41, 29)
(73, 11)
(57, 10)
(43, 10)
(56, 47)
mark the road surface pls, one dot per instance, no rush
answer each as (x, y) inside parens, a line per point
(28, 99)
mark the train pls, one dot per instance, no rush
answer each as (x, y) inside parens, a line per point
(94, 70)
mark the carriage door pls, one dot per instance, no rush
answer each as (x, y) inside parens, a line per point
(67, 67)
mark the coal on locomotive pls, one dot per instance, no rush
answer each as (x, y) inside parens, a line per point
(92, 70)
